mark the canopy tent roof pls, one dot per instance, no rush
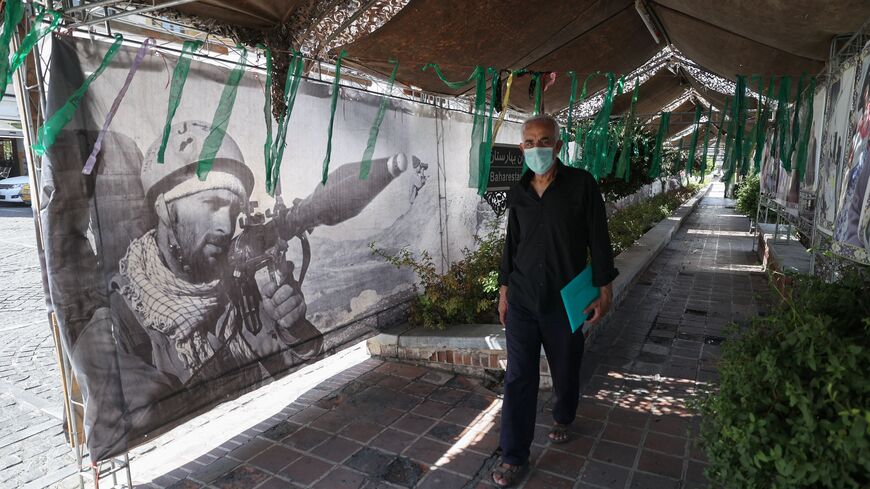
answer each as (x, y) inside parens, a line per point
(658, 91)
(766, 37)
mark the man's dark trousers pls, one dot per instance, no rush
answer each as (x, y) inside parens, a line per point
(526, 332)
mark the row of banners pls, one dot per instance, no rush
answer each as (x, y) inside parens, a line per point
(838, 169)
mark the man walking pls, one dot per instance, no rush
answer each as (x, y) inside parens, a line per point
(556, 219)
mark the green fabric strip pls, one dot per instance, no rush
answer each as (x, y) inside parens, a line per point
(761, 134)
(179, 78)
(479, 112)
(579, 135)
(706, 142)
(801, 162)
(38, 31)
(291, 86)
(267, 112)
(753, 134)
(780, 137)
(622, 167)
(366, 164)
(656, 167)
(455, 85)
(679, 161)
(693, 143)
(51, 128)
(221, 118)
(597, 144)
(336, 88)
(13, 13)
(720, 130)
(539, 90)
(486, 145)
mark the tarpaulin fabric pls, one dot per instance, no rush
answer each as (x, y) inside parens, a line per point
(179, 77)
(221, 118)
(58, 120)
(597, 142)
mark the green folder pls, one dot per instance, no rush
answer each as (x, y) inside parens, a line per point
(577, 296)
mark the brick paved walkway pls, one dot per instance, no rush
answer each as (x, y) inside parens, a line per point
(388, 425)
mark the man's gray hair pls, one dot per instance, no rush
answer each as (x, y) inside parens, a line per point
(542, 118)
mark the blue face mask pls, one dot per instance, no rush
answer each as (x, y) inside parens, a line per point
(539, 160)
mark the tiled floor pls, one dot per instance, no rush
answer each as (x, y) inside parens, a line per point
(388, 425)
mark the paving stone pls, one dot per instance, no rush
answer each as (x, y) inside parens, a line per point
(340, 478)
(405, 472)
(615, 453)
(661, 464)
(305, 470)
(241, 478)
(437, 377)
(371, 461)
(543, 480)
(604, 474)
(561, 463)
(392, 441)
(336, 449)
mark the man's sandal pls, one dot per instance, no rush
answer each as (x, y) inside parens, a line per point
(507, 475)
(559, 434)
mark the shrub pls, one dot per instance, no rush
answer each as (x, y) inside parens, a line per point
(747, 196)
(793, 405)
(631, 222)
(466, 294)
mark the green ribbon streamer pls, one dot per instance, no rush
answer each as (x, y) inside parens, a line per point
(539, 91)
(51, 128)
(801, 162)
(622, 167)
(11, 18)
(366, 164)
(780, 137)
(656, 167)
(179, 78)
(34, 36)
(795, 125)
(720, 130)
(291, 87)
(332, 104)
(597, 143)
(693, 144)
(612, 147)
(761, 134)
(578, 134)
(753, 134)
(486, 145)
(569, 128)
(679, 162)
(477, 130)
(221, 118)
(267, 111)
(706, 142)
(740, 128)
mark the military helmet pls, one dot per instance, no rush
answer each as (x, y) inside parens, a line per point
(181, 157)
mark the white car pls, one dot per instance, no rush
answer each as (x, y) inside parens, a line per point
(15, 189)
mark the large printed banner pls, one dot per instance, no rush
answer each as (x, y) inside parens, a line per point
(175, 293)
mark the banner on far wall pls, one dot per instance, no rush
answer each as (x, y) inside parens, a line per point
(852, 225)
(834, 144)
(174, 293)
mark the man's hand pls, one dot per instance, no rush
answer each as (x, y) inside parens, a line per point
(502, 304)
(284, 304)
(600, 305)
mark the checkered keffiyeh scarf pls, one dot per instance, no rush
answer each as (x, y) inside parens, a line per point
(168, 304)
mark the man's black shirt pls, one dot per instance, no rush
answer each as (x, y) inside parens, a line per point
(548, 238)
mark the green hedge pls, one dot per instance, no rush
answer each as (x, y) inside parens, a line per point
(793, 405)
(630, 223)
